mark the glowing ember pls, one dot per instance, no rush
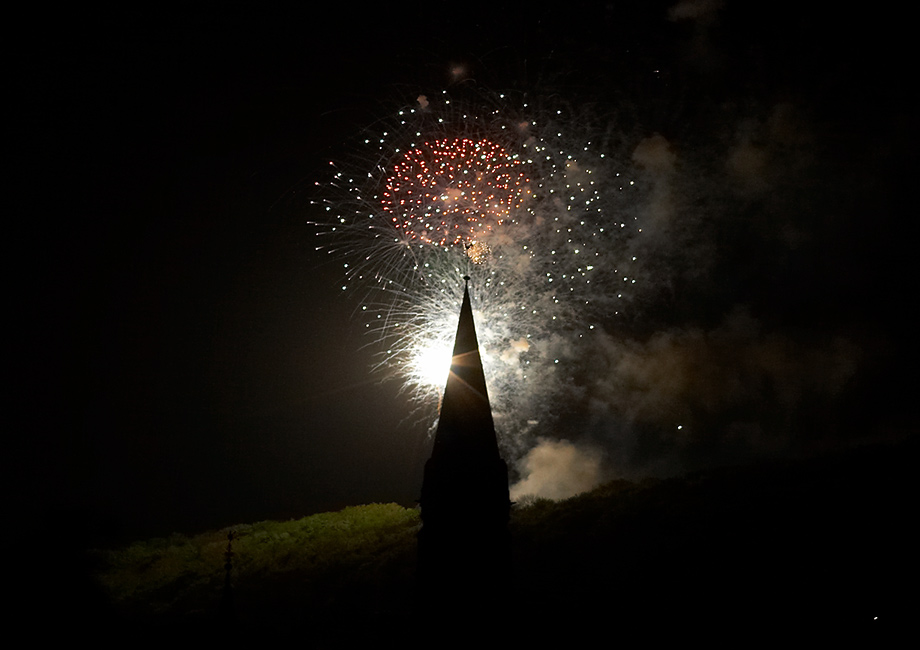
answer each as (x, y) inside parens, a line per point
(479, 252)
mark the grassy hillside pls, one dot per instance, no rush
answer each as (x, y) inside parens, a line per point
(317, 567)
(827, 543)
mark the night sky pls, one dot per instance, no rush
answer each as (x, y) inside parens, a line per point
(185, 359)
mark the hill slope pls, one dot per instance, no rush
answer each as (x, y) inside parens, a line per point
(826, 543)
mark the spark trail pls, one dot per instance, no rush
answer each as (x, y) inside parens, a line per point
(540, 219)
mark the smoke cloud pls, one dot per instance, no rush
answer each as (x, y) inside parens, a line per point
(727, 393)
(694, 10)
(558, 469)
(710, 371)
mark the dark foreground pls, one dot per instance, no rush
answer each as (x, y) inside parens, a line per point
(824, 546)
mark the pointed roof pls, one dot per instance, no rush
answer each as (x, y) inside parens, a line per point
(465, 426)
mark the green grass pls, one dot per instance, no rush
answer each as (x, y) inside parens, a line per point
(318, 556)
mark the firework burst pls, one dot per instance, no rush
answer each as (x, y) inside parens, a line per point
(453, 191)
(535, 216)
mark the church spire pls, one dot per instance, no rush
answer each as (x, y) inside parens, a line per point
(463, 546)
(465, 426)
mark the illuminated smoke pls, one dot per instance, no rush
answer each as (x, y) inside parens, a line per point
(557, 469)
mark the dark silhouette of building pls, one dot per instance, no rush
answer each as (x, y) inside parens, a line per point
(463, 546)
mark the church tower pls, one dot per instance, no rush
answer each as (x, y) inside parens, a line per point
(463, 546)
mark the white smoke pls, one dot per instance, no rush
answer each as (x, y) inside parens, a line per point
(558, 469)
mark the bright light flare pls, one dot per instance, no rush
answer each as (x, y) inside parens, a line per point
(430, 364)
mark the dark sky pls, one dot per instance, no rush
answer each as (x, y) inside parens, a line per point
(189, 360)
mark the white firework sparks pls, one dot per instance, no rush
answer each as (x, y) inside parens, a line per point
(540, 220)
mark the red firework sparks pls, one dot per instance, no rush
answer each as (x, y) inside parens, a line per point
(453, 191)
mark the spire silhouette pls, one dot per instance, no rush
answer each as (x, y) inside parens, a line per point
(465, 427)
(464, 550)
